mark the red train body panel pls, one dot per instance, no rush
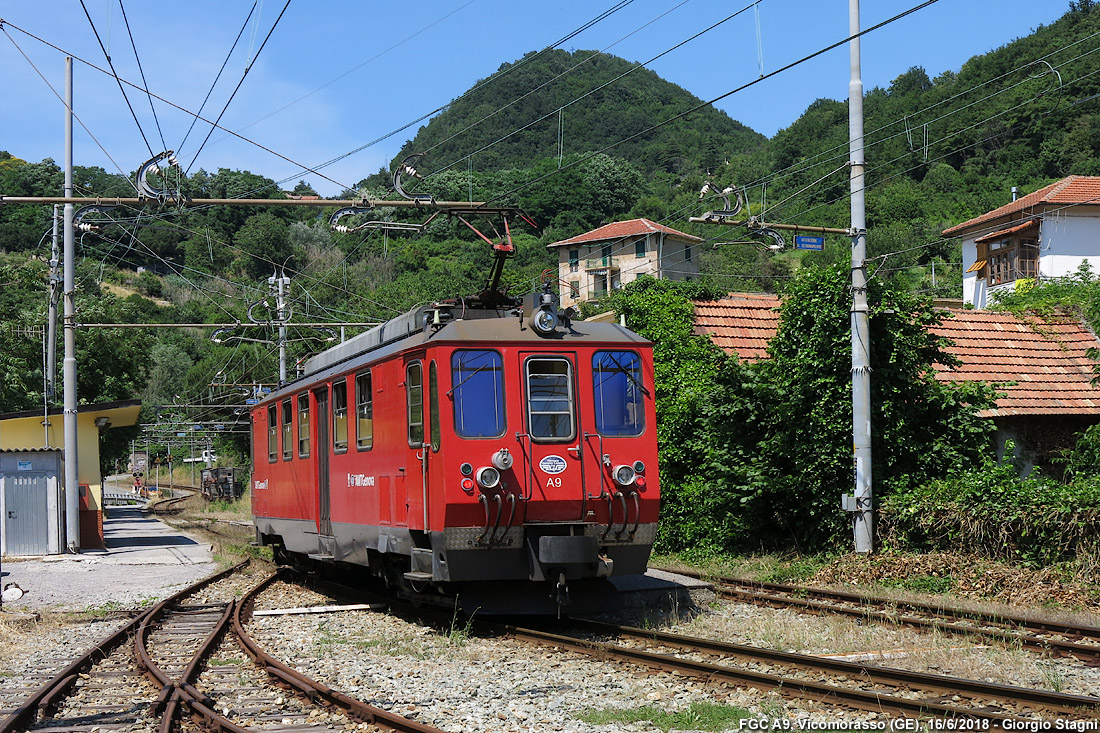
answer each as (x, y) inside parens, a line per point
(466, 453)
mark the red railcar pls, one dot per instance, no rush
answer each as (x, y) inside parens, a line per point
(506, 457)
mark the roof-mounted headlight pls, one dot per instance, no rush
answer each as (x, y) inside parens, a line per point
(544, 322)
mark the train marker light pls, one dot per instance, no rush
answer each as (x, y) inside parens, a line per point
(468, 485)
(639, 467)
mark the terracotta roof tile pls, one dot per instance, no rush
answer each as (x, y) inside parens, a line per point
(1072, 190)
(1047, 362)
(621, 229)
(742, 323)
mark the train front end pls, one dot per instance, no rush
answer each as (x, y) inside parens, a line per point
(549, 473)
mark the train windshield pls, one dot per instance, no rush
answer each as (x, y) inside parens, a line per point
(478, 393)
(617, 393)
(550, 398)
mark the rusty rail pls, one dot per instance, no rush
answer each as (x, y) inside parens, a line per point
(354, 708)
(50, 692)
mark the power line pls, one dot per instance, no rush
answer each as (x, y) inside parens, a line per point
(218, 76)
(492, 79)
(63, 102)
(569, 71)
(142, 71)
(172, 104)
(720, 97)
(120, 87)
(237, 88)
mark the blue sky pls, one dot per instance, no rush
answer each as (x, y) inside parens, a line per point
(370, 68)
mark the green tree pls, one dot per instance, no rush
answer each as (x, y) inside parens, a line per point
(265, 245)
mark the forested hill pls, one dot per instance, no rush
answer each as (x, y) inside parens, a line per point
(944, 148)
(527, 96)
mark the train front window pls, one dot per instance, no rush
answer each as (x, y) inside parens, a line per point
(340, 416)
(478, 393)
(303, 425)
(617, 393)
(414, 395)
(288, 431)
(272, 433)
(550, 398)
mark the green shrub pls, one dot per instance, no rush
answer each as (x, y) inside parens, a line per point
(990, 511)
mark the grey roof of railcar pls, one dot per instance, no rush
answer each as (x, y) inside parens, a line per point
(400, 335)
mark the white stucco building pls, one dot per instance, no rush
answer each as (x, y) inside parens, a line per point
(607, 258)
(1045, 234)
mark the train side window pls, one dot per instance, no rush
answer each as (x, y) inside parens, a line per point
(617, 393)
(364, 412)
(303, 425)
(288, 431)
(550, 398)
(433, 406)
(340, 416)
(478, 393)
(414, 396)
(272, 433)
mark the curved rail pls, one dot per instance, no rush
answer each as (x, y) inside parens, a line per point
(311, 688)
(51, 691)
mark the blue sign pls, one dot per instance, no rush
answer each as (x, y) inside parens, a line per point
(252, 401)
(802, 242)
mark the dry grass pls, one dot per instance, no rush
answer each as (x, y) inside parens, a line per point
(20, 637)
(892, 646)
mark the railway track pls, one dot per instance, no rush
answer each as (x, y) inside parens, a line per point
(883, 690)
(1056, 637)
(896, 692)
(170, 671)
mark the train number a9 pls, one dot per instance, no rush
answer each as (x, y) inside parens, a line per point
(553, 482)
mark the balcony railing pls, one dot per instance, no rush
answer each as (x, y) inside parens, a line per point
(601, 263)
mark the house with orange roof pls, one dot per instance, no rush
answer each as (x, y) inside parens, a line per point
(1044, 234)
(1041, 366)
(609, 257)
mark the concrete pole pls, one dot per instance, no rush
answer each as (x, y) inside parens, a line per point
(862, 516)
(51, 320)
(282, 284)
(72, 491)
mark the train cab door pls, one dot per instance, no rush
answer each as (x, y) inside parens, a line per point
(322, 448)
(417, 445)
(553, 475)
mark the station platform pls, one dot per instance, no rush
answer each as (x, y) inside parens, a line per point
(144, 559)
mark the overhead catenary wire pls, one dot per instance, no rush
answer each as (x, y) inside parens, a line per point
(172, 104)
(571, 69)
(244, 75)
(122, 89)
(355, 68)
(64, 103)
(145, 83)
(841, 150)
(492, 79)
(217, 77)
(720, 97)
